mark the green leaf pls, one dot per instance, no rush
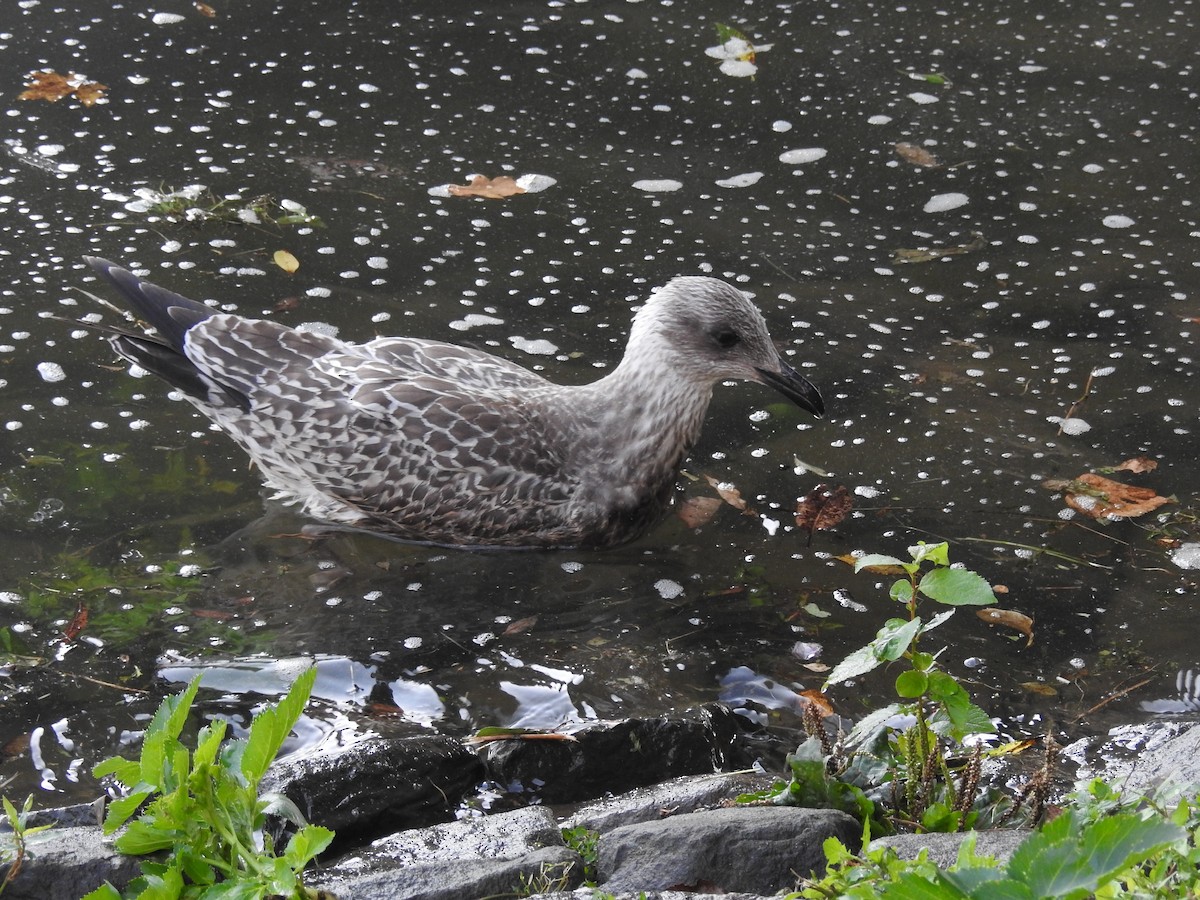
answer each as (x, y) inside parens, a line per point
(121, 809)
(105, 892)
(126, 771)
(272, 726)
(893, 639)
(277, 804)
(959, 716)
(1062, 858)
(172, 713)
(911, 886)
(902, 591)
(938, 554)
(144, 836)
(957, 587)
(911, 684)
(860, 662)
(877, 559)
(208, 743)
(891, 642)
(306, 844)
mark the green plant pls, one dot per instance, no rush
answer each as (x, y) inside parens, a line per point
(205, 809)
(14, 844)
(1094, 848)
(583, 841)
(939, 709)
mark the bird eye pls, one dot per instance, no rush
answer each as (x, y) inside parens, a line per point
(725, 338)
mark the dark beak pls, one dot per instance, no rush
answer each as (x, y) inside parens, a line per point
(795, 387)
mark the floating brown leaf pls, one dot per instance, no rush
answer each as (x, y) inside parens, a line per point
(1019, 621)
(492, 188)
(520, 626)
(697, 511)
(1137, 464)
(77, 624)
(904, 255)
(50, 86)
(1040, 688)
(730, 495)
(823, 508)
(918, 156)
(818, 700)
(205, 10)
(1102, 498)
(218, 615)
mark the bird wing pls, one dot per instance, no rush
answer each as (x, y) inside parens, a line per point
(394, 428)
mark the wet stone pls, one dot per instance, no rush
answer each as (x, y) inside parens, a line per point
(379, 785)
(614, 757)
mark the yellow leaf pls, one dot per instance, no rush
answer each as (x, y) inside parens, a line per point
(286, 261)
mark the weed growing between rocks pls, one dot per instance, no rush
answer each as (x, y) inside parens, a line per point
(1100, 846)
(915, 766)
(14, 843)
(205, 810)
(906, 745)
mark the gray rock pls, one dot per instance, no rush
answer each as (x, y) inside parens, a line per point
(752, 849)
(69, 862)
(1162, 757)
(504, 836)
(943, 848)
(548, 869)
(614, 757)
(379, 785)
(671, 798)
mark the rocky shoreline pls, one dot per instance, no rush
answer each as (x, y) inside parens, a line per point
(657, 792)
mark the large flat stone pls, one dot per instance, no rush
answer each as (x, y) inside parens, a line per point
(548, 869)
(752, 849)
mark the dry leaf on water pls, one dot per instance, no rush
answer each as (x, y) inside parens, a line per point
(492, 188)
(730, 495)
(697, 511)
(205, 10)
(1040, 688)
(1019, 621)
(1102, 498)
(823, 508)
(918, 156)
(905, 255)
(286, 261)
(77, 624)
(520, 626)
(819, 701)
(50, 86)
(1137, 464)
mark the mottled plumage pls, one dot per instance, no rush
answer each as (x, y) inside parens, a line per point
(438, 443)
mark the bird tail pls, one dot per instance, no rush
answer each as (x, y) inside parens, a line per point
(164, 354)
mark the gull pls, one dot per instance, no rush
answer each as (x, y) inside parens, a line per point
(435, 443)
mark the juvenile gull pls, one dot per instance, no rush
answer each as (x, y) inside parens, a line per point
(442, 444)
